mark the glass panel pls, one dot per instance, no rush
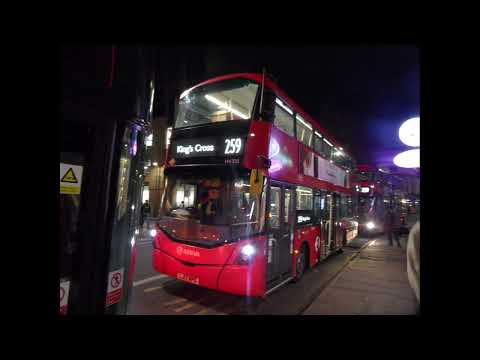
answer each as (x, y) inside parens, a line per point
(69, 238)
(304, 205)
(209, 209)
(304, 131)
(318, 205)
(221, 101)
(338, 210)
(348, 206)
(354, 205)
(149, 140)
(304, 198)
(340, 157)
(327, 149)
(329, 213)
(288, 198)
(123, 186)
(145, 194)
(275, 207)
(75, 149)
(127, 211)
(318, 143)
(283, 120)
(245, 209)
(69, 217)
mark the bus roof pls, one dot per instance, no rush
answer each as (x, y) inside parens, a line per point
(282, 94)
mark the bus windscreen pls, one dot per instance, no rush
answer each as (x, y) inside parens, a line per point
(221, 101)
(209, 209)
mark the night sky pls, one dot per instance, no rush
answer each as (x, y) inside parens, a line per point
(360, 94)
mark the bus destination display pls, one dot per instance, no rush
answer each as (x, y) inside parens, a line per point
(217, 147)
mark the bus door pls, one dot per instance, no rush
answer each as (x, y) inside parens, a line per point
(337, 214)
(329, 222)
(281, 222)
(321, 217)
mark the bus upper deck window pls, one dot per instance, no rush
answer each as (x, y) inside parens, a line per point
(304, 131)
(284, 117)
(221, 101)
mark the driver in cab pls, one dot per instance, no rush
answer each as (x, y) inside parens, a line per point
(209, 204)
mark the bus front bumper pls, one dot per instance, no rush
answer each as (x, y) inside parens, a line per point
(232, 279)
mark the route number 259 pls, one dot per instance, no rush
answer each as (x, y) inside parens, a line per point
(233, 146)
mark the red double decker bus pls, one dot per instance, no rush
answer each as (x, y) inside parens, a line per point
(256, 192)
(374, 197)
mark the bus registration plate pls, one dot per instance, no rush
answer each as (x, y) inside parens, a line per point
(187, 278)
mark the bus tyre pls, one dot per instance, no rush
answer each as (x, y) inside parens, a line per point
(300, 264)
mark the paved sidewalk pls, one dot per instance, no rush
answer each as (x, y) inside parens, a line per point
(374, 283)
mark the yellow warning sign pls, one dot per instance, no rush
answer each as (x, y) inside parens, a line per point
(69, 190)
(70, 179)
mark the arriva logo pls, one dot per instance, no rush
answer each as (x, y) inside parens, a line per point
(182, 251)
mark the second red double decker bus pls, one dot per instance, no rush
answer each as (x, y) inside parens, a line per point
(373, 198)
(256, 192)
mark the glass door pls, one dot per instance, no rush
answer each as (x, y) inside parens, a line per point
(280, 225)
(75, 148)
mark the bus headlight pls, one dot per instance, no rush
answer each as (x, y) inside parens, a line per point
(153, 232)
(246, 254)
(370, 225)
(248, 250)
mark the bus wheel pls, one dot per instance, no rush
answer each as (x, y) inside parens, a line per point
(300, 264)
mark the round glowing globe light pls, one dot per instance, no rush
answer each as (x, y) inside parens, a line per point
(408, 159)
(409, 132)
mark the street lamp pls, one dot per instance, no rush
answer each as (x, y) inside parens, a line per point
(408, 159)
(409, 132)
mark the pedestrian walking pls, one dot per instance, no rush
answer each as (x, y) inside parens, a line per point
(392, 226)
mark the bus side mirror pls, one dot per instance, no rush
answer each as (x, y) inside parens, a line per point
(263, 162)
(268, 105)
